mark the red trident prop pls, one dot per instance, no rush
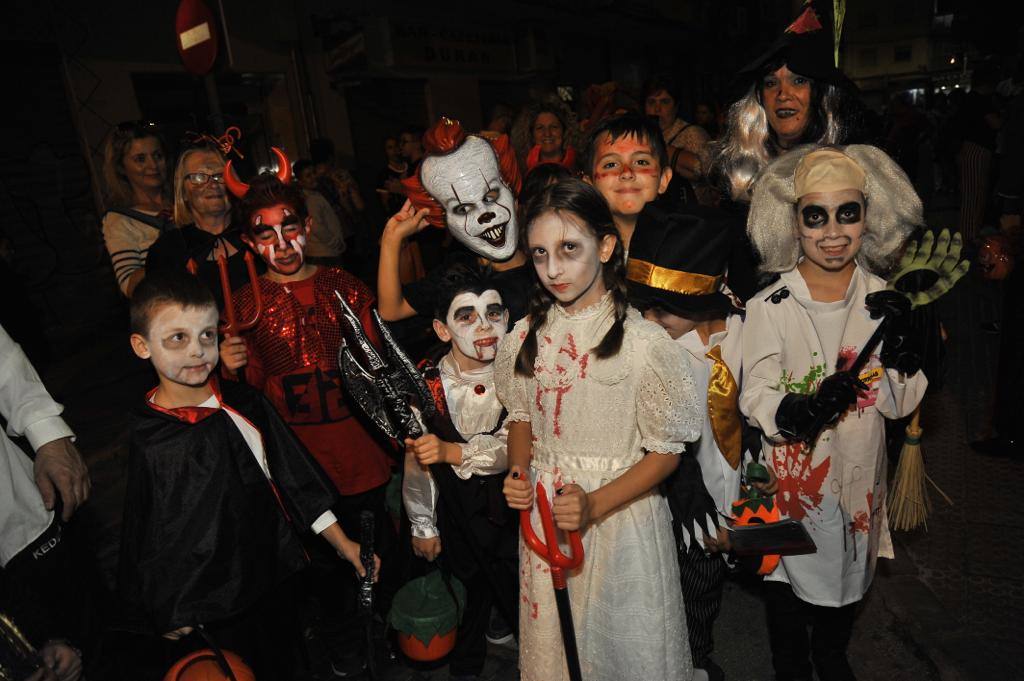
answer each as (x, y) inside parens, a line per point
(559, 562)
(229, 325)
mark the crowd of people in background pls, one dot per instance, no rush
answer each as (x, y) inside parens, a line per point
(947, 143)
(593, 270)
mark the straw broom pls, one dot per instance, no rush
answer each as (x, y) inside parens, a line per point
(909, 504)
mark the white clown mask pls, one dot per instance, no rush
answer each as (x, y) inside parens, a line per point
(477, 323)
(479, 206)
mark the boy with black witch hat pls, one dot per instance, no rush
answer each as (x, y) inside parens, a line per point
(675, 275)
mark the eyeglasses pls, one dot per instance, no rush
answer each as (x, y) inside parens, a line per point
(199, 179)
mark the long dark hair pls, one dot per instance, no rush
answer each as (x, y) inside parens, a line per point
(582, 201)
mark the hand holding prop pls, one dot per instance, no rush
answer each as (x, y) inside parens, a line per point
(930, 268)
(559, 562)
(385, 384)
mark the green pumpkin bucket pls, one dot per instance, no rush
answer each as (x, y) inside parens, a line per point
(426, 616)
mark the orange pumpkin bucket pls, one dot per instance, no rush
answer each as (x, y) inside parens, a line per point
(438, 647)
(426, 613)
(203, 665)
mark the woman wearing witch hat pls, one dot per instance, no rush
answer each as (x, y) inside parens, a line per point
(793, 94)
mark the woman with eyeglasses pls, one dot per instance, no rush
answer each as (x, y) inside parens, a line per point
(202, 213)
(135, 171)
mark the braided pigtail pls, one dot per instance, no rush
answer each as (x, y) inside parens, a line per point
(540, 303)
(614, 273)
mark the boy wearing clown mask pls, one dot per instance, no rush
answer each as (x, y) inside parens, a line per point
(292, 357)
(451, 506)
(468, 185)
(831, 222)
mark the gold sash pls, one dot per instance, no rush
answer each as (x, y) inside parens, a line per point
(723, 409)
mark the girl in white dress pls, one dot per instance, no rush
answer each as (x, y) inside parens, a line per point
(600, 403)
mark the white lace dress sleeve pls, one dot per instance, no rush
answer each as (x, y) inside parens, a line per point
(667, 411)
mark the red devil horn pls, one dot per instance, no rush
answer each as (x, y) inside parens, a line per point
(284, 168)
(235, 186)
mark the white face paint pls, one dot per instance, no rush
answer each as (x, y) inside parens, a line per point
(479, 206)
(279, 237)
(568, 259)
(182, 343)
(477, 324)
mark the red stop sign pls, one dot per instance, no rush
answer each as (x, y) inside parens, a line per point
(197, 36)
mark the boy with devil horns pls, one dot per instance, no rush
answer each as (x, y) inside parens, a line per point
(292, 356)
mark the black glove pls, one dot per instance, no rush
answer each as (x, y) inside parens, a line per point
(799, 417)
(901, 347)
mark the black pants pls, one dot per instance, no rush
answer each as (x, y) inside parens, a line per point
(67, 589)
(331, 583)
(789, 619)
(702, 577)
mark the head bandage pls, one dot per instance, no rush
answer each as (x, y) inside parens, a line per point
(827, 170)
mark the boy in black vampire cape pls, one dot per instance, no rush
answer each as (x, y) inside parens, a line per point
(458, 506)
(218, 491)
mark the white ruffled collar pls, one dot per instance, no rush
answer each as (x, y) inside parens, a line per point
(603, 306)
(450, 368)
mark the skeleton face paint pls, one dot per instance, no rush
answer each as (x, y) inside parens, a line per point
(568, 259)
(830, 226)
(182, 343)
(279, 237)
(477, 324)
(479, 206)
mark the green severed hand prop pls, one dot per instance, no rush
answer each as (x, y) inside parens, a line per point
(930, 268)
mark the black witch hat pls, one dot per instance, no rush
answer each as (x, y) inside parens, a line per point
(677, 261)
(807, 47)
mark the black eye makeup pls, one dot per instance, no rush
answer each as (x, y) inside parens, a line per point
(818, 216)
(848, 213)
(814, 216)
(464, 314)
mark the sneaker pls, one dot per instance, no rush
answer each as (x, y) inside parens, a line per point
(498, 632)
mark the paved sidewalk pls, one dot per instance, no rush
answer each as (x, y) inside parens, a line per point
(969, 555)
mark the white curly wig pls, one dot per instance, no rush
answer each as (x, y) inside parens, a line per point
(892, 210)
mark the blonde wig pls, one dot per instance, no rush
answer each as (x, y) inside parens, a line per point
(182, 212)
(748, 144)
(892, 210)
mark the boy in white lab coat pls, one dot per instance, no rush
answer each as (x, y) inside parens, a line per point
(831, 221)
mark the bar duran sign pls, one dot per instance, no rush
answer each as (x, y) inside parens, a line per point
(448, 47)
(197, 36)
